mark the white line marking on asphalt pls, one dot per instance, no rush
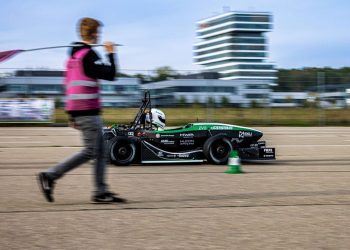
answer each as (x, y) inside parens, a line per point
(14, 137)
(56, 147)
(344, 145)
(23, 142)
(315, 135)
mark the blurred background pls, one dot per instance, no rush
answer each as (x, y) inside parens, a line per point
(297, 97)
(271, 64)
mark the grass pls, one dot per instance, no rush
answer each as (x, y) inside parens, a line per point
(240, 116)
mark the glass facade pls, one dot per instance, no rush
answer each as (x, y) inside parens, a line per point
(214, 64)
(257, 96)
(205, 89)
(245, 73)
(239, 40)
(232, 47)
(247, 26)
(233, 55)
(244, 67)
(18, 88)
(43, 88)
(256, 86)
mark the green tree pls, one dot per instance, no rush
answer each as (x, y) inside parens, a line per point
(182, 101)
(163, 73)
(58, 102)
(142, 77)
(254, 104)
(119, 74)
(224, 101)
(211, 101)
(305, 78)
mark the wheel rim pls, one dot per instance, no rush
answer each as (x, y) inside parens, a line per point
(123, 151)
(220, 150)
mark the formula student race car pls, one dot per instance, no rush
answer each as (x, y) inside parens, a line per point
(144, 141)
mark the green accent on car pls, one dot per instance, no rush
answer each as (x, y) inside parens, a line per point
(191, 127)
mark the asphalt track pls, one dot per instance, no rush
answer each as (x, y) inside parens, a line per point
(300, 201)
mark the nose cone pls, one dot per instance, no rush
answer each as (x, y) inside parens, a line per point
(257, 134)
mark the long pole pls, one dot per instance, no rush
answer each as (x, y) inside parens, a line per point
(67, 46)
(5, 55)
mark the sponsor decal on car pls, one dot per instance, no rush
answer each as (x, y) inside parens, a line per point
(243, 134)
(167, 135)
(183, 156)
(268, 150)
(268, 153)
(221, 128)
(187, 135)
(167, 142)
(186, 142)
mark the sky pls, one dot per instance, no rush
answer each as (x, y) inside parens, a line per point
(306, 33)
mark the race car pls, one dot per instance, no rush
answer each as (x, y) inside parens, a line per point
(146, 141)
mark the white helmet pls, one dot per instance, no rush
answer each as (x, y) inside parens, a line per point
(158, 118)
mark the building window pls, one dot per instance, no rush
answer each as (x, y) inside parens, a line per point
(118, 88)
(234, 54)
(255, 74)
(257, 96)
(242, 66)
(256, 86)
(46, 88)
(206, 89)
(236, 26)
(252, 40)
(233, 47)
(109, 88)
(18, 88)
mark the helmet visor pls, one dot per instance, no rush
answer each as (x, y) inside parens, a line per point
(161, 119)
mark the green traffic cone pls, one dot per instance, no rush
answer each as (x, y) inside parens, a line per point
(234, 163)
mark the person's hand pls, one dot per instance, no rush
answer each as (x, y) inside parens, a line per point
(72, 124)
(109, 47)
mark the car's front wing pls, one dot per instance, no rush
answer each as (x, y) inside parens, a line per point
(257, 151)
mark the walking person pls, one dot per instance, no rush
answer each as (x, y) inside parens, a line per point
(82, 91)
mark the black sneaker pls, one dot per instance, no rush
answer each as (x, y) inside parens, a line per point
(108, 197)
(46, 185)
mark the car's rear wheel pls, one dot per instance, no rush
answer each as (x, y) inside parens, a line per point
(217, 149)
(122, 151)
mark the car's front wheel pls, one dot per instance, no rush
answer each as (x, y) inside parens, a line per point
(217, 149)
(122, 151)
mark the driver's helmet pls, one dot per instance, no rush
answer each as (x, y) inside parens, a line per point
(158, 118)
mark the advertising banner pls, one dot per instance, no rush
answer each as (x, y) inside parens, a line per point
(26, 110)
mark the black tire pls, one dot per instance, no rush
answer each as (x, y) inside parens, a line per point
(122, 151)
(217, 149)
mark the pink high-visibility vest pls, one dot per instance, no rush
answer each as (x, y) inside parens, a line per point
(82, 92)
